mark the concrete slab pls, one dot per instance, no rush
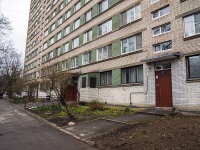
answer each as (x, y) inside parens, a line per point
(91, 129)
(134, 118)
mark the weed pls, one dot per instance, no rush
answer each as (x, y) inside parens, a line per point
(96, 105)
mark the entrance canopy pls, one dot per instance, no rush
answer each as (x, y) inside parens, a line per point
(163, 57)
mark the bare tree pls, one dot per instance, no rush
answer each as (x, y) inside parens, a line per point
(30, 87)
(55, 85)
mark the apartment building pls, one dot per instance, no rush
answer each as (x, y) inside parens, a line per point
(138, 52)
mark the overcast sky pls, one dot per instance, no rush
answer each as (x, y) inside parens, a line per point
(17, 11)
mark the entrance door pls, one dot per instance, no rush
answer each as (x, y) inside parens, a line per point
(72, 93)
(163, 88)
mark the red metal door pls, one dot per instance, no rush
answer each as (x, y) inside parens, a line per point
(163, 88)
(72, 93)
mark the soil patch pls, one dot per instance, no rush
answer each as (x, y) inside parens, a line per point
(174, 132)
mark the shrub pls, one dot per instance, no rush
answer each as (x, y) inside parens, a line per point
(127, 110)
(96, 105)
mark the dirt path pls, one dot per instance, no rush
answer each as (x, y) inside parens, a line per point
(177, 133)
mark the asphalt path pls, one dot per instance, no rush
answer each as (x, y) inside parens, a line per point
(20, 131)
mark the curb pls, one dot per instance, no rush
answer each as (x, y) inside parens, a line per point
(155, 114)
(90, 143)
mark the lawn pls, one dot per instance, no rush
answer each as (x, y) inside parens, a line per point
(81, 113)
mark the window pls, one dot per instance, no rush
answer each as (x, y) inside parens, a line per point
(48, 8)
(74, 62)
(162, 29)
(88, 15)
(161, 12)
(54, 13)
(44, 59)
(68, 14)
(86, 1)
(84, 82)
(154, 1)
(60, 21)
(54, 2)
(66, 47)
(61, 6)
(51, 40)
(105, 27)
(67, 30)
(131, 15)
(59, 36)
(104, 52)
(132, 74)
(53, 27)
(93, 82)
(132, 44)
(45, 45)
(75, 42)
(193, 66)
(47, 20)
(163, 46)
(46, 33)
(106, 78)
(192, 25)
(76, 23)
(58, 51)
(64, 65)
(77, 6)
(51, 55)
(87, 36)
(104, 5)
(86, 58)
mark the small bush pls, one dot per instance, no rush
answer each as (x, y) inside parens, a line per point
(96, 105)
(127, 110)
(82, 103)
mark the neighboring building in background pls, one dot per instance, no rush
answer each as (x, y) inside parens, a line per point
(139, 52)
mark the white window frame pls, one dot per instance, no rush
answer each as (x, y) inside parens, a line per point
(105, 25)
(51, 55)
(159, 13)
(160, 31)
(90, 12)
(67, 29)
(74, 45)
(77, 23)
(193, 25)
(75, 62)
(60, 20)
(135, 44)
(77, 6)
(154, 1)
(83, 58)
(45, 46)
(52, 40)
(46, 33)
(68, 14)
(87, 37)
(53, 26)
(59, 35)
(102, 50)
(160, 45)
(66, 47)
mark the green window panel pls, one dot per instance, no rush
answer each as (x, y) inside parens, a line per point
(80, 60)
(82, 3)
(72, 10)
(115, 1)
(116, 48)
(63, 17)
(62, 33)
(54, 53)
(85, 76)
(95, 10)
(94, 32)
(48, 43)
(61, 49)
(69, 64)
(71, 27)
(81, 40)
(70, 45)
(82, 19)
(93, 56)
(116, 21)
(116, 77)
